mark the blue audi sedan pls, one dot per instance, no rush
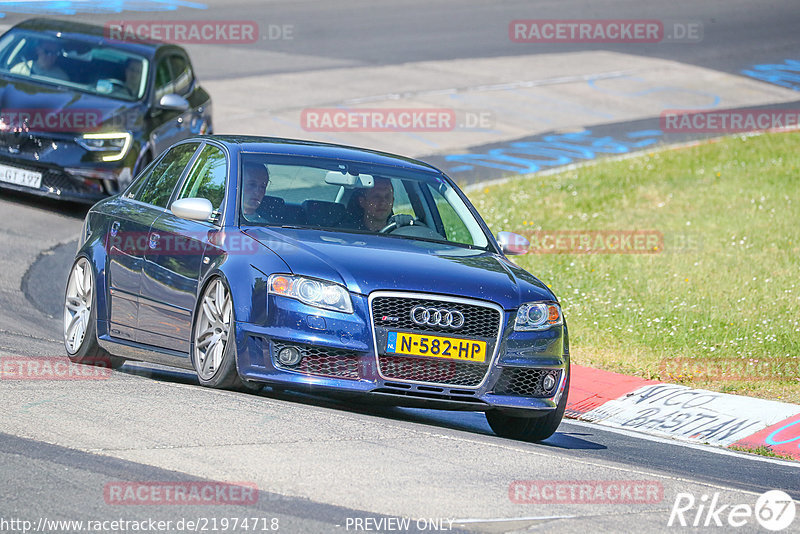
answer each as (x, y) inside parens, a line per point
(82, 113)
(337, 270)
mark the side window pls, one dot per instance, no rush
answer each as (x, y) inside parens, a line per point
(164, 85)
(165, 175)
(181, 74)
(207, 177)
(136, 186)
(454, 227)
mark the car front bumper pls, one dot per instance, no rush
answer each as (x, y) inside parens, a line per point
(341, 356)
(65, 174)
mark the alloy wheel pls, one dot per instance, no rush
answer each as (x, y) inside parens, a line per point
(78, 305)
(212, 329)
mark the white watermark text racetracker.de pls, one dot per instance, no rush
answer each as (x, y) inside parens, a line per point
(117, 525)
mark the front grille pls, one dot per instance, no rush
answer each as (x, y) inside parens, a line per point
(432, 371)
(54, 179)
(479, 321)
(525, 382)
(62, 182)
(25, 142)
(320, 361)
(393, 314)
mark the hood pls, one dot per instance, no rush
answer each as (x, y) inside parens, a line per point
(366, 263)
(67, 110)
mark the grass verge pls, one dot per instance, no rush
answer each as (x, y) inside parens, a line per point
(709, 297)
(762, 451)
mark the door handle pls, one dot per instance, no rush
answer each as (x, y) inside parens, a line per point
(114, 228)
(154, 240)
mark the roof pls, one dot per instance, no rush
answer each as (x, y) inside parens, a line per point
(298, 147)
(88, 32)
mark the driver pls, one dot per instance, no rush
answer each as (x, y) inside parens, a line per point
(372, 207)
(133, 76)
(254, 187)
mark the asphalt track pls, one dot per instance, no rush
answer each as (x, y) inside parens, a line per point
(317, 462)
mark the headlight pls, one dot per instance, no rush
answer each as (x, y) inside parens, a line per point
(115, 145)
(537, 316)
(318, 293)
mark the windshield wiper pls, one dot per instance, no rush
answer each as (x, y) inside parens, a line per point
(438, 241)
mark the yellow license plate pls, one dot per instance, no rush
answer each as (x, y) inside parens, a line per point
(436, 347)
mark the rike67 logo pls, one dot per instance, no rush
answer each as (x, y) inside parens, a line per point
(774, 510)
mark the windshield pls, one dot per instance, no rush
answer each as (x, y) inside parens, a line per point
(85, 67)
(350, 197)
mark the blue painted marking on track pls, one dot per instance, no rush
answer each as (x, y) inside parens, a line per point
(770, 440)
(644, 133)
(74, 7)
(552, 151)
(786, 74)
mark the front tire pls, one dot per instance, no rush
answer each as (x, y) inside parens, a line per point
(213, 344)
(529, 428)
(80, 319)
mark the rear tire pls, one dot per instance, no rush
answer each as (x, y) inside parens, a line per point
(529, 428)
(80, 319)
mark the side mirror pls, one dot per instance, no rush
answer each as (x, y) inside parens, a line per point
(173, 102)
(193, 209)
(512, 244)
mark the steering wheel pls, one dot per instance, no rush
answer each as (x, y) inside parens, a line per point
(399, 220)
(118, 84)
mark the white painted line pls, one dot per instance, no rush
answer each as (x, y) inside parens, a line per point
(601, 465)
(511, 519)
(553, 517)
(423, 429)
(689, 445)
(493, 87)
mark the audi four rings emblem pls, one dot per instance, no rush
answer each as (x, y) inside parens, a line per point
(437, 317)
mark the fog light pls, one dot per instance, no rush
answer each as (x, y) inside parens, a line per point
(289, 356)
(548, 382)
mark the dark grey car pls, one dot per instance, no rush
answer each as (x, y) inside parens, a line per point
(81, 114)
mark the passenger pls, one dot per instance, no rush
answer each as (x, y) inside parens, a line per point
(255, 180)
(47, 52)
(133, 76)
(370, 208)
